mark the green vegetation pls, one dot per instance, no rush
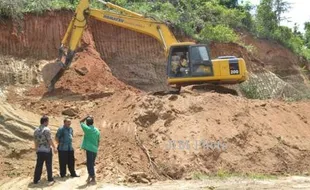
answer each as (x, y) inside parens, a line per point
(222, 174)
(203, 20)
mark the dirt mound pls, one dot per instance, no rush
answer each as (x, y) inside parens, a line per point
(182, 135)
(88, 74)
(257, 136)
(210, 133)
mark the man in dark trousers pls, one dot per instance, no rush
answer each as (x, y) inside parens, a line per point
(43, 143)
(90, 144)
(66, 158)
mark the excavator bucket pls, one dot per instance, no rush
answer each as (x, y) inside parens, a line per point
(49, 73)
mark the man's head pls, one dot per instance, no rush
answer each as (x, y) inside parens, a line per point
(67, 122)
(44, 120)
(89, 120)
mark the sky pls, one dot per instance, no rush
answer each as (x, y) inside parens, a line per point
(299, 13)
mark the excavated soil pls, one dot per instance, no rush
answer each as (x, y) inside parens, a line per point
(89, 74)
(256, 136)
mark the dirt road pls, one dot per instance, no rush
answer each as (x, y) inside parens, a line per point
(292, 182)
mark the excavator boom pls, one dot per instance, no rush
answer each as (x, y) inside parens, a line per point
(126, 19)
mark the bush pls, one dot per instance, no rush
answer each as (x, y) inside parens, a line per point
(218, 33)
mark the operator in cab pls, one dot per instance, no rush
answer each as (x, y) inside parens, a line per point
(183, 65)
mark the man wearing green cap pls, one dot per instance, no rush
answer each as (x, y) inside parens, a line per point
(90, 144)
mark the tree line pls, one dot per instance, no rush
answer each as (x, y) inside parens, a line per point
(203, 20)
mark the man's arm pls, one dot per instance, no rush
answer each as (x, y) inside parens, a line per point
(57, 136)
(98, 138)
(83, 125)
(52, 144)
(50, 140)
(36, 145)
(83, 120)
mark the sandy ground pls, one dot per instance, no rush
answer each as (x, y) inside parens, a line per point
(238, 183)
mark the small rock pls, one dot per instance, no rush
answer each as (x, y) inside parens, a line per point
(67, 106)
(138, 174)
(144, 180)
(81, 71)
(121, 179)
(7, 163)
(173, 97)
(100, 95)
(263, 104)
(139, 177)
(70, 112)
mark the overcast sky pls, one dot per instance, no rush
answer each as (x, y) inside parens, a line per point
(299, 12)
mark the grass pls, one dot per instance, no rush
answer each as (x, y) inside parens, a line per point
(223, 174)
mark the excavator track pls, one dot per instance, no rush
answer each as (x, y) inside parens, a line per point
(172, 90)
(202, 88)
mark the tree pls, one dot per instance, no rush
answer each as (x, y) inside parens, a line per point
(229, 3)
(266, 19)
(280, 7)
(296, 31)
(307, 34)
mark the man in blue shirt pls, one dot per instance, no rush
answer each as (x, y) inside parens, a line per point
(64, 137)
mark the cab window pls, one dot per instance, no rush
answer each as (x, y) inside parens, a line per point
(199, 53)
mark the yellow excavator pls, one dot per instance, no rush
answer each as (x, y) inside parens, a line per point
(187, 63)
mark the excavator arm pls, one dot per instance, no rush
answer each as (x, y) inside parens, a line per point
(125, 18)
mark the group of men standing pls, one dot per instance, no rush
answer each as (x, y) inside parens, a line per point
(45, 148)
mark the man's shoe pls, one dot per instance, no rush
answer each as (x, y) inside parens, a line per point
(88, 179)
(93, 180)
(51, 183)
(75, 175)
(36, 182)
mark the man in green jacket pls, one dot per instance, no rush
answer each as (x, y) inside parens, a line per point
(90, 144)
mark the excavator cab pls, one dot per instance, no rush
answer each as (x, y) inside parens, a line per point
(199, 67)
